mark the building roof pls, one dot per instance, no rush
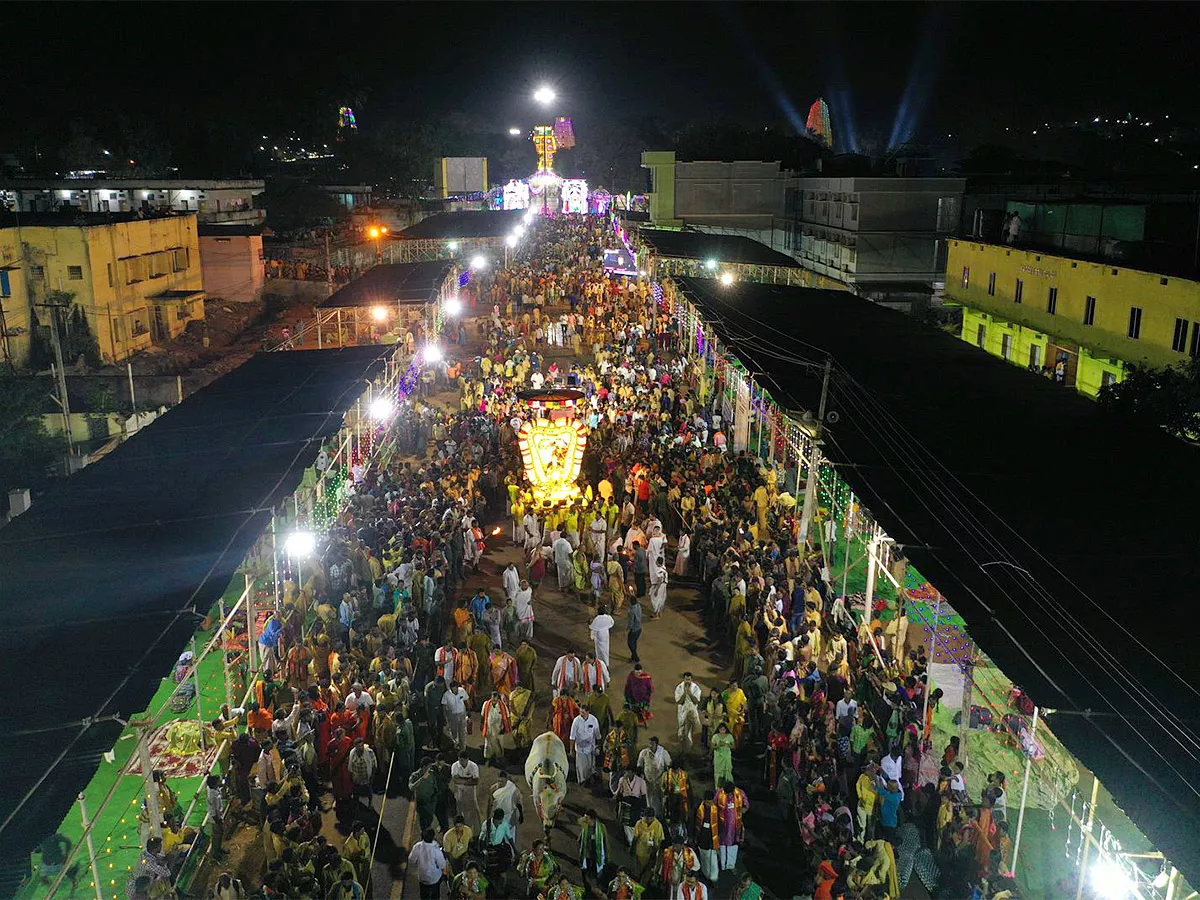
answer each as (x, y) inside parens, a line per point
(417, 282)
(74, 217)
(217, 230)
(131, 184)
(722, 247)
(176, 294)
(1067, 541)
(96, 572)
(465, 224)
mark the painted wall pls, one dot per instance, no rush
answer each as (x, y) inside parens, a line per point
(118, 273)
(661, 164)
(233, 266)
(1162, 300)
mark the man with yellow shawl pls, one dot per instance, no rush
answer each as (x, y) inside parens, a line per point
(736, 708)
(875, 866)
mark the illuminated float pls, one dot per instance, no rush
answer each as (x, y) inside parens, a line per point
(552, 442)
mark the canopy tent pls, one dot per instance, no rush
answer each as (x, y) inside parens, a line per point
(103, 578)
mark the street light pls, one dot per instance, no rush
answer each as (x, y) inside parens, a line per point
(515, 132)
(479, 262)
(727, 278)
(373, 231)
(544, 95)
(509, 243)
(381, 408)
(300, 544)
(710, 264)
(379, 313)
(452, 246)
(453, 306)
(432, 353)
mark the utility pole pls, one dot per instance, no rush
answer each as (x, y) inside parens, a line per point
(328, 266)
(60, 373)
(814, 458)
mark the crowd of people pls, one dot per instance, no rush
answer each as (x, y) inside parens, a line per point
(378, 668)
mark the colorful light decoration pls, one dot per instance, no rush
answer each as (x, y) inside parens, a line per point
(346, 122)
(574, 196)
(516, 195)
(818, 122)
(552, 442)
(547, 145)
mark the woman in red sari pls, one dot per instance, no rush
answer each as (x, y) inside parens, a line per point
(339, 769)
(563, 711)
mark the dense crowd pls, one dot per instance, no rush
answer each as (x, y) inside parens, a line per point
(380, 664)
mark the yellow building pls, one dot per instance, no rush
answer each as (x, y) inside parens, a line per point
(138, 280)
(1035, 310)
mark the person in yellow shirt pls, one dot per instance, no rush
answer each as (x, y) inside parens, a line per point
(867, 798)
(456, 842)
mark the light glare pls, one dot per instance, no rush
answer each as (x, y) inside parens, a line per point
(453, 306)
(300, 543)
(727, 278)
(432, 353)
(378, 313)
(479, 262)
(544, 95)
(381, 407)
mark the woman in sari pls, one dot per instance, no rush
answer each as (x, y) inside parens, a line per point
(639, 688)
(616, 584)
(580, 571)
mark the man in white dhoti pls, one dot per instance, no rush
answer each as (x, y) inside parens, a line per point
(600, 628)
(512, 581)
(654, 760)
(687, 704)
(598, 535)
(658, 585)
(464, 778)
(585, 739)
(562, 563)
(523, 605)
(532, 532)
(568, 672)
(595, 674)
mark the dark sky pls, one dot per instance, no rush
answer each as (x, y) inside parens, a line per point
(950, 67)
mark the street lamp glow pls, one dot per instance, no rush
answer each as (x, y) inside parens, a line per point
(479, 262)
(381, 408)
(373, 231)
(511, 240)
(514, 131)
(1110, 881)
(544, 95)
(453, 306)
(710, 264)
(727, 278)
(452, 246)
(432, 353)
(300, 543)
(379, 313)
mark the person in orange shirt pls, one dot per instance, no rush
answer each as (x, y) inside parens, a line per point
(258, 720)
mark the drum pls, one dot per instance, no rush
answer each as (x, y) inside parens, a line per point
(629, 810)
(497, 858)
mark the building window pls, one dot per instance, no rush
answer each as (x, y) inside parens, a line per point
(1035, 356)
(1194, 349)
(5, 286)
(116, 330)
(1179, 339)
(1052, 301)
(181, 259)
(992, 285)
(75, 273)
(981, 335)
(1135, 322)
(1107, 378)
(1019, 292)
(37, 273)
(110, 275)
(1089, 311)
(1006, 345)
(966, 279)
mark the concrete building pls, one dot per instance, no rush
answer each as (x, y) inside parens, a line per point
(231, 257)
(1037, 309)
(743, 197)
(137, 280)
(351, 196)
(883, 237)
(213, 200)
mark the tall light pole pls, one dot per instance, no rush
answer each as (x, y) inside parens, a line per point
(545, 96)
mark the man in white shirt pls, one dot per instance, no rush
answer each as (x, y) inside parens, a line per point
(464, 777)
(568, 672)
(454, 702)
(892, 768)
(687, 702)
(654, 760)
(585, 737)
(600, 628)
(523, 606)
(429, 862)
(507, 798)
(512, 582)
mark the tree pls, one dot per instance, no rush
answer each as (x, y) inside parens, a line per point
(26, 450)
(293, 204)
(1167, 398)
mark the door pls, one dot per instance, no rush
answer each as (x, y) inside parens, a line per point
(161, 331)
(1063, 360)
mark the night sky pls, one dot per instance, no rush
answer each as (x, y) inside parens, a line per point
(887, 69)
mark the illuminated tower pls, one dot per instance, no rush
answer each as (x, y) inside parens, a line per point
(818, 122)
(346, 122)
(552, 442)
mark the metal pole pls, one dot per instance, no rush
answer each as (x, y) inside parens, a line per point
(179, 387)
(251, 650)
(871, 574)
(225, 655)
(61, 373)
(328, 266)
(196, 684)
(1025, 790)
(91, 848)
(1087, 847)
(132, 395)
(144, 726)
(274, 557)
(810, 489)
(847, 536)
